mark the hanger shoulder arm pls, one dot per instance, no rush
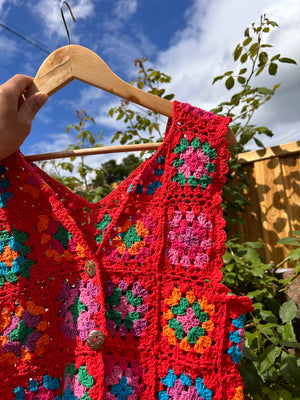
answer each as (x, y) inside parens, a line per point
(54, 73)
(88, 67)
(78, 62)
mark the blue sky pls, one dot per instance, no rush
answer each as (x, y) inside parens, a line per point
(191, 40)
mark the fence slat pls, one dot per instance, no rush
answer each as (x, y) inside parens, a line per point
(290, 167)
(273, 212)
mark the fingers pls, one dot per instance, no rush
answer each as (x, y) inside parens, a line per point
(17, 85)
(31, 106)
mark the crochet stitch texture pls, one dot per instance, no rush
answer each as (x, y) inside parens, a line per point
(171, 330)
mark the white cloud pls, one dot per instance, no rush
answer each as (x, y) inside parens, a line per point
(5, 6)
(50, 15)
(204, 50)
(7, 47)
(124, 9)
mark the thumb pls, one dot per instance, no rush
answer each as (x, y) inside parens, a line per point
(32, 105)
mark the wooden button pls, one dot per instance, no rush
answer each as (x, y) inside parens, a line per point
(95, 339)
(90, 268)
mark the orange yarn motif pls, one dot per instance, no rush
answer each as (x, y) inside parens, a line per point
(188, 321)
(23, 333)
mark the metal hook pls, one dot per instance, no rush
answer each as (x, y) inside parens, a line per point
(63, 17)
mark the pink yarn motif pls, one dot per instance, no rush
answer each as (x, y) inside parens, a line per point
(189, 239)
(123, 380)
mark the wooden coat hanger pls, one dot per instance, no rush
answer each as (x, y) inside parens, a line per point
(76, 62)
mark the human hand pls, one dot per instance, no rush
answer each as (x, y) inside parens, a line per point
(16, 113)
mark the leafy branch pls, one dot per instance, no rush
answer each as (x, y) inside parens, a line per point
(243, 104)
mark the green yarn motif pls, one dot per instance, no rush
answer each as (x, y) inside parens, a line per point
(106, 220)
(177, 162)
(11, 277)
(134, 301)
(194, 334)
(197, 309)
(196, 143)
(180, 309)
(188, 175)
(63, 236)
(114, 299)
(130, 318)
(208, 151)
(114, 316)
(204, 181)
(20, 333)
(76, 309)
(210, 167)
(130, 237)
(84, 378)
(184, 144)
(180, 178)
(193, 182)
(70, 369)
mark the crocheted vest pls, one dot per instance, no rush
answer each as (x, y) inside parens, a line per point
(122, 299)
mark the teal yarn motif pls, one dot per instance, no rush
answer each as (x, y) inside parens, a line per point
(13, 253)
(194, 164)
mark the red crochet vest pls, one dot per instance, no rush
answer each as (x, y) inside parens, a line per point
(121, 300)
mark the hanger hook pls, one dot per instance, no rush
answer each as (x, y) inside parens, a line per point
(63, 17)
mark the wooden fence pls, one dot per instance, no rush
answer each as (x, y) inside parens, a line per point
(274, 197)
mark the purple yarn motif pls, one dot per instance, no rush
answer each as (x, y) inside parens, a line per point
(78, 308)
(125, 308)
(25, 330)
(189, 241)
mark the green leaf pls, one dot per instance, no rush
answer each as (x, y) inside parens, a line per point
(140, 84)
(255, 245)
(229, 82)
(121, 113)
(294, 254)
(169, 96)
(249, 354)
(287, 332)
(253, 49)
(290, 369)
(244, 58)
(268, 316)
(241, 79)
(288, 311)
(217, 78)
(284, 395)
(263, 58)
(268, 357)
(275, 57)
(289, 241)
(271, 395)
(273, 69)
(252, 381)
(237, 52)
(287, 343)
(259, 143)
(287, 60)
(264, 90)
(247, 41)
(243, 71)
